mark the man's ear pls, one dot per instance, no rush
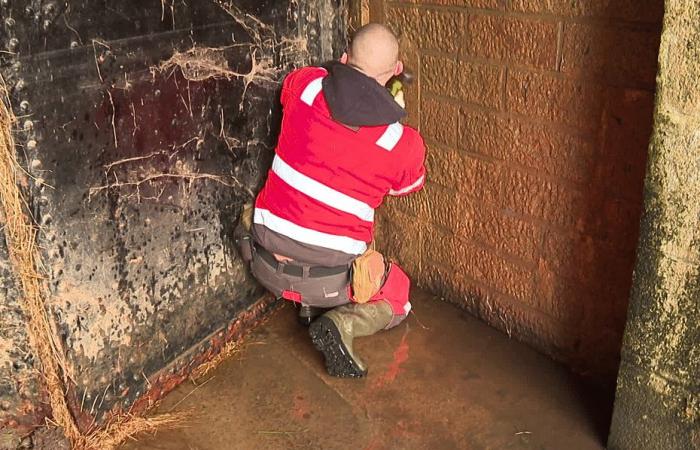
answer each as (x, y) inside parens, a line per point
(344, 58)
(399, 68)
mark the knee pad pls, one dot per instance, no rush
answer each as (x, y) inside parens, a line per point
(395, 291)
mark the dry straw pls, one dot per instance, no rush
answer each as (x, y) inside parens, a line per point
(126, 427)
(20, 235)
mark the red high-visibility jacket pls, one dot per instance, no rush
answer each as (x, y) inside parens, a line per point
(327, 178)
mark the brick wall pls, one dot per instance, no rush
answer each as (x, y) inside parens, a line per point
(537, 116)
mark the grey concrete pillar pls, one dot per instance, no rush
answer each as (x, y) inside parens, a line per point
(657, 404)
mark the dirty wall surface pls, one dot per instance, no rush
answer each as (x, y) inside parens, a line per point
(537, 117)
(137, 173)
(657, 406)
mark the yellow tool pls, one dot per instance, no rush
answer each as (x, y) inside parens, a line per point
(396, 85)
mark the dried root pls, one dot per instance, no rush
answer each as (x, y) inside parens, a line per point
(127, 427)
(204, 369)
(20, 234)
(205, 63)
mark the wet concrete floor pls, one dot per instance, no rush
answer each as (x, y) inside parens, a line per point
(441, 380)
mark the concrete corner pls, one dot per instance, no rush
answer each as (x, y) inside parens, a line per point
(657, 404)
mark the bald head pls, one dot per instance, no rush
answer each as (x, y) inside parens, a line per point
(375, 51)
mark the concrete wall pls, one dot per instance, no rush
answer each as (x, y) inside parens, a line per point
(138, 178)
(657, 405)
(537, 117)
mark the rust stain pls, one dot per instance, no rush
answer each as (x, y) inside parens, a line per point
(400, 357)
(300, 408)
(27, 415)
(166, 380)
(375, 444)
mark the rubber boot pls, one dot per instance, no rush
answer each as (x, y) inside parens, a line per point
(333, 333)
(308, 314)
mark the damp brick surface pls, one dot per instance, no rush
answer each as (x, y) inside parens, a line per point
(537, 117)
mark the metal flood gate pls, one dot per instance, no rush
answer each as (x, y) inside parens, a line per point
(144, 127)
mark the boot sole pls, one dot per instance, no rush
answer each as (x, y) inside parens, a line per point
(326, 338)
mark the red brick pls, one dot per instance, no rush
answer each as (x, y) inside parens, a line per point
(509, 235)
(399, 237)
(559, 298)
(572, 102)
(503, 276)
(600, 270)
(452, 285)
(618, 220)
(413, 112)
(445, 166)
(480, 84)
(441, 30)
(449, 250)
(526, 42)
(478, 222)
(471, 83)
(628, 126)
(612, 288)
(444, 207)
(478, 234)
(572, 256)
(440, 75)
(482, 265)
(598, 313)
(598, 352)
(440, 121)
(531, 326)
(622, 57)
(545, 148)
(552, 202)
(464, 274)
(439, 205)
(405, 24)
(636, 10)
(480, 180)
(602, 328)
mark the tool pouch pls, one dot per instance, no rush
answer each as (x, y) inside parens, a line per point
(245, 246)
(367, 275)
(395, 290)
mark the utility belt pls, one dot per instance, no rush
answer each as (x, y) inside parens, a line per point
(324, 287)
(250, 248)
(298, 270)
